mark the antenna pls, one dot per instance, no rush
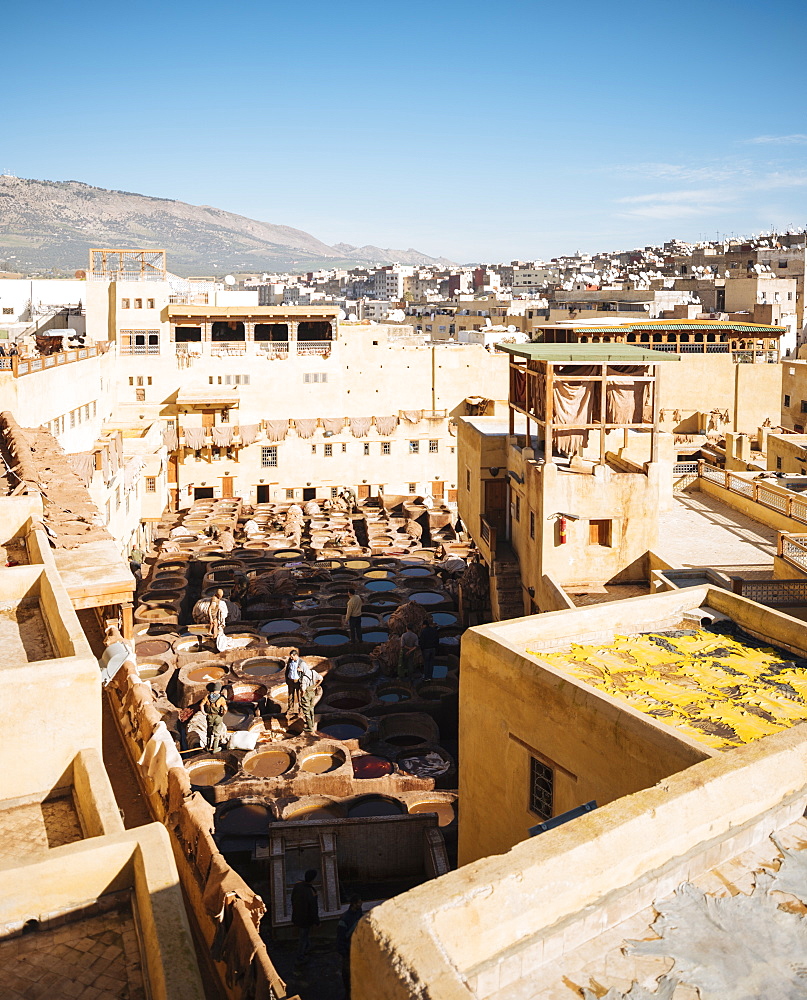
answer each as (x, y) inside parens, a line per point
(229, 279)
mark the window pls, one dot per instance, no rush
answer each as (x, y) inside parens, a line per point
(72, 418)
(386, 448)
(235, 380)
(452, 449)
(124, 303)
(366, 448)
(414, 447)
(517, 507)
(289, 494)
(804, 406)
(309, 377)
(344, 447)
(151, 484)
(433, 447)
(787, 400)
(542, 788)
(149, 303)
(131, 381)
(413, 487)
(140, 342)
(328, 450)
(87, 410)
(468, 480)
(269, 456)
(313, 449)
(139, 380)
(532, 524)
(138, 303)
(334, 492)
(778, 463)
(93, 407)
(8, 310)
(599, 532)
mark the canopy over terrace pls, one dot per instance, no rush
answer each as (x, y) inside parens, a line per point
(570, 390)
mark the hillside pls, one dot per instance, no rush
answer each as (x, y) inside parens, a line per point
(51, 225)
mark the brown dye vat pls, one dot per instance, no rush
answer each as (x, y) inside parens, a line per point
(315, 810)
(370, 766)
(357, 563)
(208, 772)
(239, 715)
(206, 673)
(243, 693)
(268, 763)
(152, 647)
(188, 644)
(150, 669)
(244, 818)
(348, 701)
(374, 805)
(446, 812)
(261, 666)
(322, 762)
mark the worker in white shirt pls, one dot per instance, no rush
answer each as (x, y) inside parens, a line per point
(310, 682)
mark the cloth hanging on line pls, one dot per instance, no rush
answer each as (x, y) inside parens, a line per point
(194, 437)
(170, 438)
(386, 425)
(624, 396)
(83, 465)
(222, 436)
(333, 424)
(248, 433)
(359, 426)
(276, 430)
(305, 426)
(518, 386)
(412, 416)
(572, 404)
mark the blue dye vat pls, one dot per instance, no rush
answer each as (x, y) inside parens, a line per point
(443, 618)
(380, 585)
(331, 639)
(375, 636)
(427, 597)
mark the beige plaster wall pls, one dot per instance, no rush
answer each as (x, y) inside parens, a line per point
(513, 707)
(479, 930)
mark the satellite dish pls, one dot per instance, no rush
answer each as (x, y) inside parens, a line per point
(229, 279)
(511, 329)
(353, 318)
(341, 315)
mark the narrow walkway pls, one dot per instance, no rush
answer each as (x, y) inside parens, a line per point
(703, 531)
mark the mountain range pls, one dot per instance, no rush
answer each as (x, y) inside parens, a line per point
(49, 227)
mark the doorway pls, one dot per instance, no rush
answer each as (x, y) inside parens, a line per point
(496, 504)
(264, 494)
(227, 487)
(309, 493)
(203, 493)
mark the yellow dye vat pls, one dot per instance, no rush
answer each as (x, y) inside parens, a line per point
(714, 688)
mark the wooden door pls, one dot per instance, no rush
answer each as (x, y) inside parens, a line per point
(363, 492)
(496, 504)
(208, 418)
(227, 487)
(438, 490)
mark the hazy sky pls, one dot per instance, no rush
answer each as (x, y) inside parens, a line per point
(476, 131)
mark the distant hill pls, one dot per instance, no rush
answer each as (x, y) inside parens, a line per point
(51, 225)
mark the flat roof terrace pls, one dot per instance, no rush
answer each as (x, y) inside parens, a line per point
(700, 530)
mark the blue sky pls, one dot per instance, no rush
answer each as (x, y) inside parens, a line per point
(470, 130)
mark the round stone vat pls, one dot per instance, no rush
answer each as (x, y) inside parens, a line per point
(152, 646)
(310, 807)
(427, 761)
(288, 555)
(445, 809)
(239, 715)
(320, 622)
(331, 638)
(150, 669)
(436, 690)
(243, 691)
(429, 597)
(189, 643)
(248, 816)
(408, 729)
(378, 573)
(166, 614)
(348, 727)
(380, 586)
(416, 572)
(193, 681)
(261, 666)
(351, 699)
(370, 765)
(374, 805)
(209, 770)
(354, 668)
(382, 603)
(321, 759)
(375, 635)
(166, 580)
(356, 564)
(162, 595)
(391, 694)
(280, 626)
(444, 619)
(178, 567)
(269, 762)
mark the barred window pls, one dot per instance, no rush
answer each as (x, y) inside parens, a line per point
(269, 456)
(309, 377)
(413, 487)
(151, 484)
(542, 788)
(433, 447)
(289, 494)
(334, 492)
(386, 448)
(366, 447)
(414, 447)
(328, 450)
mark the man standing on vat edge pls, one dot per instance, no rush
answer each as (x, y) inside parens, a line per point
(310, 682)
(353, 615)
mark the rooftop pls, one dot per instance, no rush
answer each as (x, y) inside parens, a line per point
(582, 354)
(619, 325)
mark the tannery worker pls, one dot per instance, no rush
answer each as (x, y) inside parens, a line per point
(353, 615)
(310, 682)
(214, 706)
